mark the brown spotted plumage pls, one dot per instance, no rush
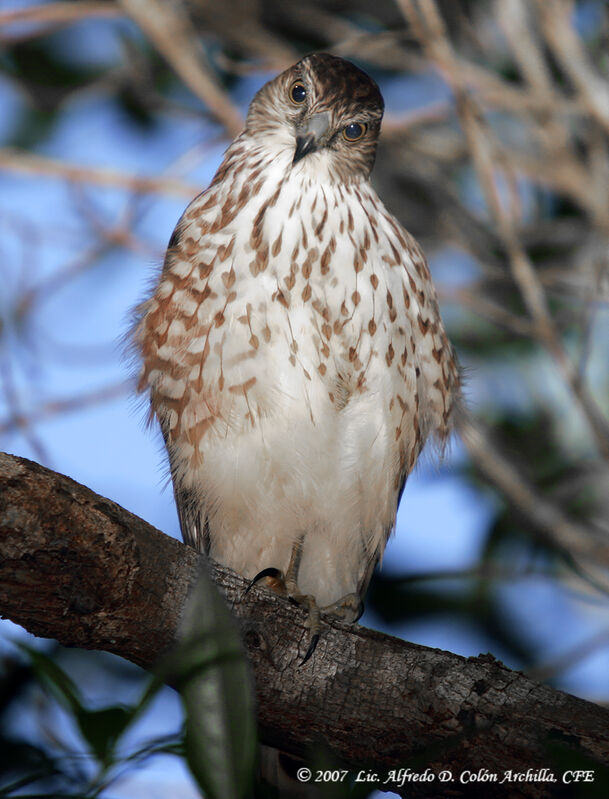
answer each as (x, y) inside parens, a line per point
(293, 349)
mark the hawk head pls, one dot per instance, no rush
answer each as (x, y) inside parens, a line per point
(325, 112)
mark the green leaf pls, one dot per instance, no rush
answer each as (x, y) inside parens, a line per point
(54, 677)
(101, 729)
(162, 745)
(210, 669)
(22, 764)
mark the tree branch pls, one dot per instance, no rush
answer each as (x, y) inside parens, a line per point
(14, 160)
(79, 568)
(169, 28)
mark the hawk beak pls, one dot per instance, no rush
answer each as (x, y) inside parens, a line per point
(311, 135)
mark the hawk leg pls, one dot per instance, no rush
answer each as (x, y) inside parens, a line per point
(347, 608)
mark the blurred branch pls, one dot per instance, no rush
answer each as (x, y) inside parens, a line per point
(555, 17)
(77, 567)
(60, 12)
(428, 26)
(169, 28)
(584, 649)
(582, 588)
(11, 399)
(549, 520)
(49, 17)
(23, 420)
(489, 309)
(46, 288)
(14, 160)
(396, 125)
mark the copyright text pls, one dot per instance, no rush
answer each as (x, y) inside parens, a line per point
(402, 776)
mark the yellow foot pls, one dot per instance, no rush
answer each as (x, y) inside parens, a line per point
(286, 586)
(348, 608)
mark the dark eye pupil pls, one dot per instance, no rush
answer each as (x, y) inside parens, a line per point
(353, 131)
(298, 93)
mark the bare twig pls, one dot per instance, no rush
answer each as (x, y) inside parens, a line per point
(12, 400)
(582, 650)
(23, 421)
(555, 18)
(427, 24)
(36, 165)
(548, 519)
(60, 12)
(490, 310)
(33, 23)
(169, 28)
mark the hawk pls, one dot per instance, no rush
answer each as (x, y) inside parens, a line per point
(293, 349)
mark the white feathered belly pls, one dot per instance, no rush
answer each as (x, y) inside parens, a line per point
(300, 465)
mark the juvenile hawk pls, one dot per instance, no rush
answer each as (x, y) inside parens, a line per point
(293, 347)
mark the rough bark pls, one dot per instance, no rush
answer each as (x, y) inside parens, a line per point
(76, 567)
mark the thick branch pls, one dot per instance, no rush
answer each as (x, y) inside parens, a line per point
(79, 568)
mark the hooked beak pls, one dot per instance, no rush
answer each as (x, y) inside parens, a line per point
(311, 135)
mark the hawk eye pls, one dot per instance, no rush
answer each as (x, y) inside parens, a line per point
(354, 131)
(298, 93)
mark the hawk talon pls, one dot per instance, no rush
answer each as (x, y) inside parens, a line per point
(285, 585)
(271, 571)
(311, 649)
